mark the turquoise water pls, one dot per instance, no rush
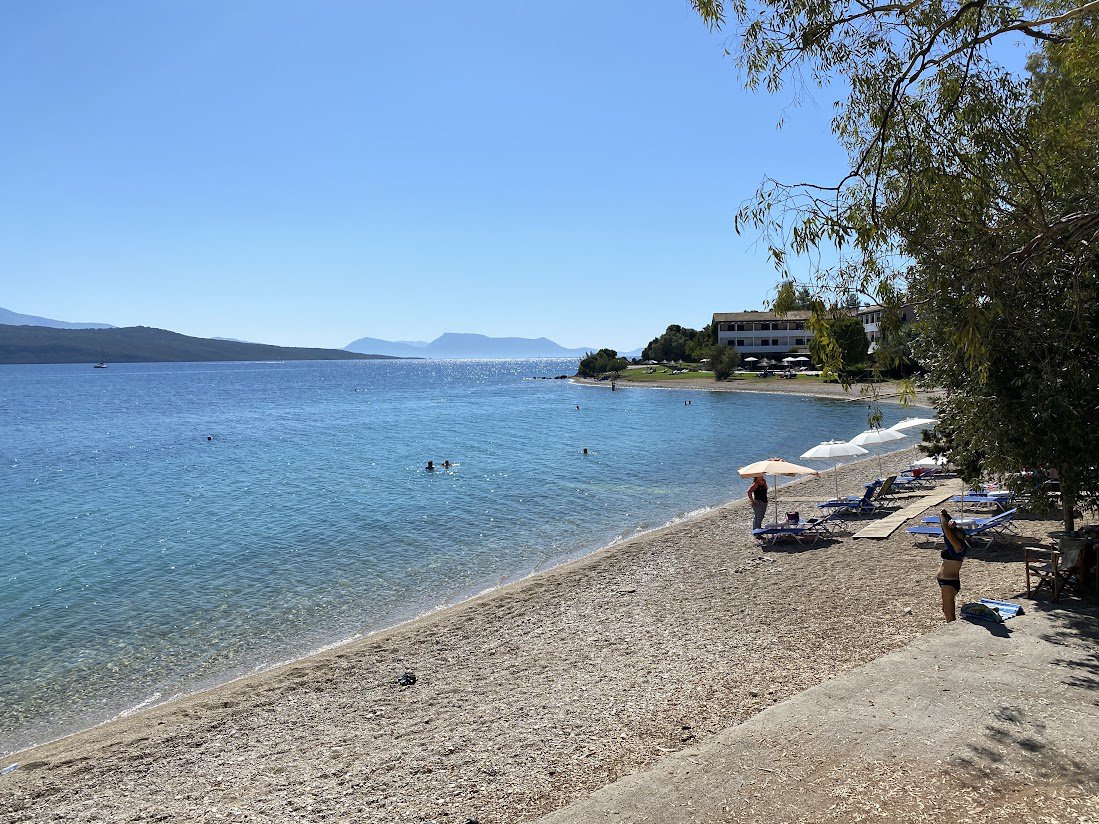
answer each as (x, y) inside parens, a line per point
(142, 560)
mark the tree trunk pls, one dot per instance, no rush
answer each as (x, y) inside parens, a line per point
(1068, 501)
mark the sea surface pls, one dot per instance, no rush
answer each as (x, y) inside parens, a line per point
(166, 527)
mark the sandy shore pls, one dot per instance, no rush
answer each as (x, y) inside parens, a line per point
(525, 699)
(814, 389)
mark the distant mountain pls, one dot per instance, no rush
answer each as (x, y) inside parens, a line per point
(393, 348)
(467, 345)
(11, 318)
(142, 344)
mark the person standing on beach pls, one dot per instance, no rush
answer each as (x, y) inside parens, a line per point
(757, 494)
(953, 553)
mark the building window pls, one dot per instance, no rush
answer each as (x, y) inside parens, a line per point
(774, 341)
(731, 343)
(799, 342)
(740, 342)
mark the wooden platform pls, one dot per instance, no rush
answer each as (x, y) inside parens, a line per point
(884, 527)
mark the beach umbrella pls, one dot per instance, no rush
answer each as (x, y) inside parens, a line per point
(788, 360)
(877, 437)
(750, 359)
(831, 451)
(938, 460)
(802, 358)
(912, 423)
(775, 466)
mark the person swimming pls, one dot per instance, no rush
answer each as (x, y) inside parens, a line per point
(430, 466)
(446, 464)
(585, 452)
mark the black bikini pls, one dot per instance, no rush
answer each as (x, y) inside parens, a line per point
(949, 554)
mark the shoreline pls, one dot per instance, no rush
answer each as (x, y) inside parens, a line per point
(526, 697)
(155, 700)
(830, 391)
(560, 564)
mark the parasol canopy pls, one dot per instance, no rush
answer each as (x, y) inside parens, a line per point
(831, 450)
(775, 466)
(877, 437)
(912, 423)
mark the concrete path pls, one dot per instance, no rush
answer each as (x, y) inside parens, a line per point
(884, 527)
(972, 722)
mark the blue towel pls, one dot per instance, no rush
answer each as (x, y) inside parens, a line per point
(988, 609)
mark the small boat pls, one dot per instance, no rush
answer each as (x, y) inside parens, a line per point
(100, 365)
(102, 360)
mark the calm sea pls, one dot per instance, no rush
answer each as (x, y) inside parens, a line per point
(142, 560)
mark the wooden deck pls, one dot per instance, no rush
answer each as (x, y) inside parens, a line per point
(884, 527)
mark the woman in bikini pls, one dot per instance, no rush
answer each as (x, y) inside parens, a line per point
(955, 547)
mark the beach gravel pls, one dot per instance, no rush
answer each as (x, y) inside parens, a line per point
(525, 699)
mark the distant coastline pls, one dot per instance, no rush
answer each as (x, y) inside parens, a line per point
(886, 392)
(143, 344)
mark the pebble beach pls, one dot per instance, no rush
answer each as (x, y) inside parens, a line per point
(511, 705)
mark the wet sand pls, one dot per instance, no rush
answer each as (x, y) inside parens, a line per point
(524, 699)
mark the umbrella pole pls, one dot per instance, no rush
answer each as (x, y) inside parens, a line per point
(836, 475)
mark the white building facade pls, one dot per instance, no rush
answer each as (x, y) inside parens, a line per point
(764, 334)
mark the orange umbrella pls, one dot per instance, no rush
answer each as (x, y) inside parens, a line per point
(775, 466)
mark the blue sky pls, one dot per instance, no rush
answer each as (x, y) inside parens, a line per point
(307, 173)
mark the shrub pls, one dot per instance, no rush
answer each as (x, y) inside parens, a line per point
(723, 360)
(594, 364)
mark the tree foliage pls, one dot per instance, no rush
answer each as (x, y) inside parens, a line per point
(597, 364)
(681, 343)
(972, 190)
(845, 343)
(723, 360)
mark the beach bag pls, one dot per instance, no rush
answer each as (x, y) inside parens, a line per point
(793, 517)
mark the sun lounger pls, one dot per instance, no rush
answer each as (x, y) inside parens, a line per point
(870, 500)
(812, 530)
(854, 503)
(988, 530)
(906, 481)
(1001, 501)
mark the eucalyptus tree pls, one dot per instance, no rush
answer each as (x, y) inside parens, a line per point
(972, 189)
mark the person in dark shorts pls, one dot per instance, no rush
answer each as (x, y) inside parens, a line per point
(757, 494)
(954, 551)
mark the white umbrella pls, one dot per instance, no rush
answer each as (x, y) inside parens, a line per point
(802, 358)
(775, 466)
(788, 360)
(911, 423)
(939, 460)
(877, 437)
(830, 450)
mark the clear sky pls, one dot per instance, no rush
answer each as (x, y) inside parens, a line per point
(306, 173)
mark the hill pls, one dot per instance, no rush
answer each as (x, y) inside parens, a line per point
(468, 345)
(15, 319)
(142, 344)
